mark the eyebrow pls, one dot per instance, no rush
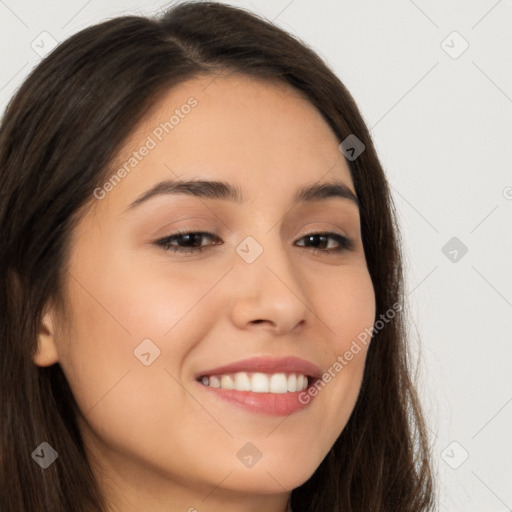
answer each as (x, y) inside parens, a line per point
(228, 192)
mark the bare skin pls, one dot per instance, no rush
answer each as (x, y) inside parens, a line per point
(158, 439)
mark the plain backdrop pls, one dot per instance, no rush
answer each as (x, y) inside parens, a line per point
(434, 83)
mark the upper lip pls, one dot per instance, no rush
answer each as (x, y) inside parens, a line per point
(264, 364)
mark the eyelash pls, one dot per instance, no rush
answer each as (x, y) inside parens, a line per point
(345, 244)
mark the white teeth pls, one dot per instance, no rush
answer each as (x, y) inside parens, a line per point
(226, 382)
(292, 382)
(214, 382)
(302, 382)
(277, 383)
(242, 382)
(260, 383)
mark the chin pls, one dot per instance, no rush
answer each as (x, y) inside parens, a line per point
(272, 478)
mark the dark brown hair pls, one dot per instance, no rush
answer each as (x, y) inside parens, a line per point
(57, 139)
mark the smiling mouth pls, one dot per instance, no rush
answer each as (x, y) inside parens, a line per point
(257, 382)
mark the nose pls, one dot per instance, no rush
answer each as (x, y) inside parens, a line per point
(269, 293)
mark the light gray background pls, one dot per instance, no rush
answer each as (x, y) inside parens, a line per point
(442, 124)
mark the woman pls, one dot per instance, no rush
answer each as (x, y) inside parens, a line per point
(201, 281)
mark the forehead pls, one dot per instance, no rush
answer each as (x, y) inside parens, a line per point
(258, 135)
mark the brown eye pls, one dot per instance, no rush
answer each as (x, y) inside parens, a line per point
(186, 241)
(323, 239)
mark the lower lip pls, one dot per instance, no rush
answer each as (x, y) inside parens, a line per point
(274, 404)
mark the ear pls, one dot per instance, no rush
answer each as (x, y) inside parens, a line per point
(46, 353)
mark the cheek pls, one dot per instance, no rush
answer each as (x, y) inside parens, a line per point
(129, 407)
(122, 370)
(347, 306)
(131, 332)
(355, 321)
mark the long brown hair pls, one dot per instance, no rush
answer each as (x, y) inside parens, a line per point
(59, 134)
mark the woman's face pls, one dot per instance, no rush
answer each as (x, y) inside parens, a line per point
(150, 329)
